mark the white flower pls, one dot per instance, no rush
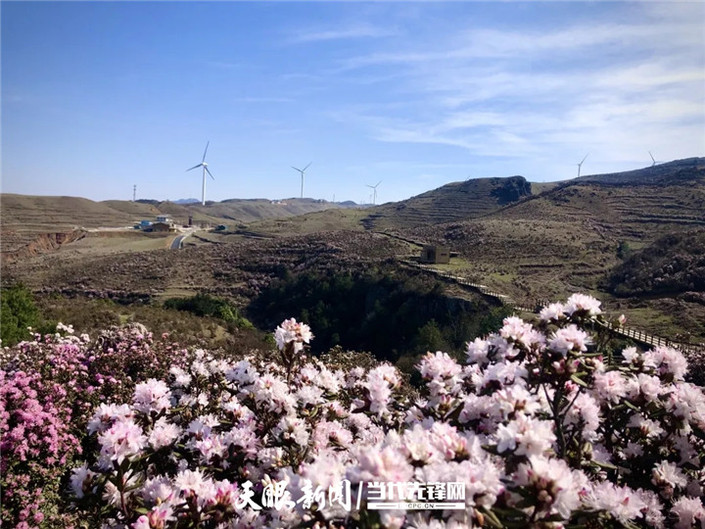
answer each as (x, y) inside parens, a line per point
(688, 510)
(554, 312)
(181, 378)
(309, 395)
(553, 483)
(582, 303)
(380, 464)
(190, 480)
(80, 479)
(587, 412)
(292, 429)
(477, 351)
(668, 361)
(568, 339)
(124, 439)
(290, 331)
(106, 414)
(668, 473)
(630, 355)
(151, 396)
(609, 386)
(621, 502)
(438, 365)
(650, 387)
(648, 427)
(163, 434)
(157, 490)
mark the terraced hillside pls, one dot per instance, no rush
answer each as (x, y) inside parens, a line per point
(687, 169)
(638, 207)
(568, 239)
(459, 200)
(673, 265)
(33, 220)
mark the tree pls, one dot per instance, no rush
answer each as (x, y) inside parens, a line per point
(17, 312)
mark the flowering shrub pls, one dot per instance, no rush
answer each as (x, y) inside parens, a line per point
(542, 428)
(36, 444)
(49, 387)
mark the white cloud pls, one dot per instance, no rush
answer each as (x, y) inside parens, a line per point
(351, 32)
(618, 89)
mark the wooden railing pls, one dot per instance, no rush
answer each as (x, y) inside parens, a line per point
(538, 304)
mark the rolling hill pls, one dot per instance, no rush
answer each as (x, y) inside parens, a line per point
(685, 170)
(568, 239)
(24, 218)
(455, 201)
(525, 240)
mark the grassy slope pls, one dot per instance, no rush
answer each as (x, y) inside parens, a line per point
(24, 217)
(566, 240)
(544, 246)
(455, 201)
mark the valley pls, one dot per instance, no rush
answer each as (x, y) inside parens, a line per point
(529, 242)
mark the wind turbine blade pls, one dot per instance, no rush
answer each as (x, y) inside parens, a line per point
(378, 184)
(194, 167)
(207, 171)
(296, 169)
(204, 152)
(309, 165)
(588, 154)
(652, 157)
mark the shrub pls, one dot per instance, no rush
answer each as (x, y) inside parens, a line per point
(357, 310)
(544, 427)
(48, 389)
(17, 313)
(206, 305)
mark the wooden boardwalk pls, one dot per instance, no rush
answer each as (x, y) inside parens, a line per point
(536, 306)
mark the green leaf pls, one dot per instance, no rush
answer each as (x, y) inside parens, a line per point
(492, 518)
(578, 381)
(602, 464)
(631, 406)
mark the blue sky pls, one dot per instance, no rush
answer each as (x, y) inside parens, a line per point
(98, 96)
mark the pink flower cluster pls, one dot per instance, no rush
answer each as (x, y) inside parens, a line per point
(291, 331)
(538, 427)
(50, 386)
(36, 443)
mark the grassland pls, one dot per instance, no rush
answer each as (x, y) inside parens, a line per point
(559, 239)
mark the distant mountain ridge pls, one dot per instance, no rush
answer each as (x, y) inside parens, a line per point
(23, 217)
(455, 201)
(670, 194)
(668, 173)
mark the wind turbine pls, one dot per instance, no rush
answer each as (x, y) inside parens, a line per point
(653, 160)
(302, 171)
(205, 170)
(374, 188)
(581, 163)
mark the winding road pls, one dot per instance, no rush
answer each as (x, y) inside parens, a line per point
(178, 241)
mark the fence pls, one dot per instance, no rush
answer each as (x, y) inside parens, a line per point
(536, 305)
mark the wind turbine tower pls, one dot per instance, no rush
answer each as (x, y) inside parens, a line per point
(205, 170)
(580, 165)
(374, 191)
(302, 171)
(134, 193)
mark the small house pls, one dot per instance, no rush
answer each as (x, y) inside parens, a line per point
(432, 254)
(160, 227)
(165, 219)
